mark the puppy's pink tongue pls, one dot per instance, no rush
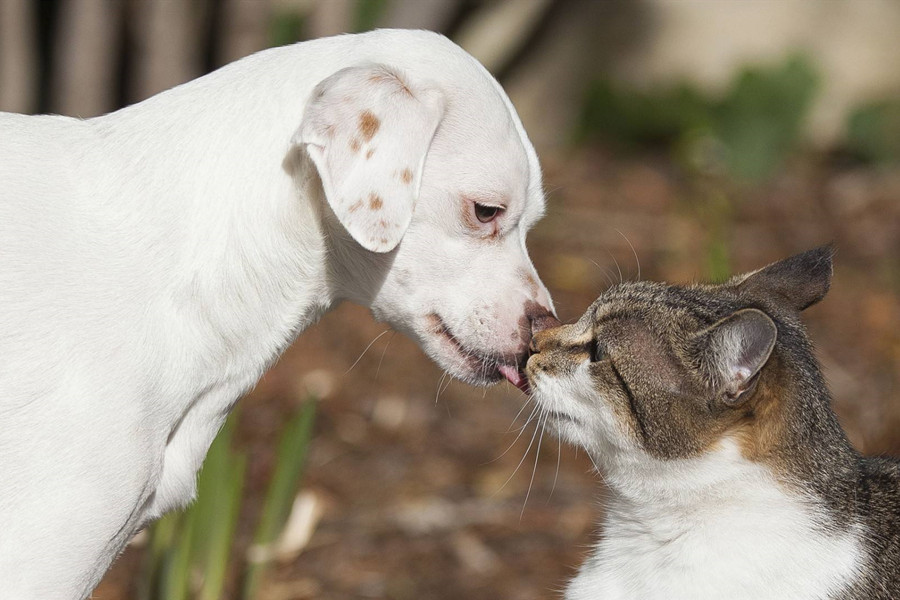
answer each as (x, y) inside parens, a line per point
(515, 377)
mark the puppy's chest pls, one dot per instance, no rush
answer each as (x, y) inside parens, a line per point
(771, 547)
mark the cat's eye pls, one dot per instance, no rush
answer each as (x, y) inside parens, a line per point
(486, 213)
(597, 351)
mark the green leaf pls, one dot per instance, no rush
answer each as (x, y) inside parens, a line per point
(282, 489)
(176, 564)
(760, 120)
(219, 538)
(747, 132)
(368, 12)
(285, 28)
(873, 131)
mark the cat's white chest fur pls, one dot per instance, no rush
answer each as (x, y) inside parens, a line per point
(742, 537)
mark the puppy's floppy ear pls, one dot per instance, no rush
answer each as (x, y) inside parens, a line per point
(799, 281)
(734, 350)
(368, 130)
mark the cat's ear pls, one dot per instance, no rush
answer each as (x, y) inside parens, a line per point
(799, 281)
(734, 350)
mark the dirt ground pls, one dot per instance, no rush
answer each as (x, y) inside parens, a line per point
(411, 479)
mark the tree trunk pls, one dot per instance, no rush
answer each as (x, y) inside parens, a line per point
(167, 49)
(435, 15)
(330, 17)
(18, 56)
(245, 29)
(85, 51)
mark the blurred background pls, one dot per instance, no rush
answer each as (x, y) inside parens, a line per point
(681, 140)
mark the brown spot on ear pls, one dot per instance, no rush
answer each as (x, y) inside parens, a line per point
(369, 153)
(406, 176)
(375, 201)
(383, 224)
(368, 125)
(355, 145)
(355, 206)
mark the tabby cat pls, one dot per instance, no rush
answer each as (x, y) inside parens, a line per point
(729, 477)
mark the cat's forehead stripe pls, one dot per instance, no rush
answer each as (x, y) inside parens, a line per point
(604, 314)
(643, 298)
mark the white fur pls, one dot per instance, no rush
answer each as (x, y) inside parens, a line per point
(713, 527)
(155, 261)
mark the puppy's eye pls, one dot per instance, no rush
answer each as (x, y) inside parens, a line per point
(486, 213)
(598, 352)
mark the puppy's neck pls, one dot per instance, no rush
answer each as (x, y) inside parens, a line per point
(237, 264)
(351, 272)
(229, 207)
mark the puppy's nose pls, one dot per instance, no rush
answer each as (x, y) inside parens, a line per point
(540, 319)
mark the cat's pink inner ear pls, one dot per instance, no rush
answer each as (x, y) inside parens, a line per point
(739, 346)
(742, 374)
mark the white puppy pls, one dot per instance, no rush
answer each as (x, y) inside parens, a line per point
(155, 261)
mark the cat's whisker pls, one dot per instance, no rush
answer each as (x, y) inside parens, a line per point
(518, 414)
(556, 475)
(537, 454)
(610, 281)
(383, 352)
(446, 385)
(521, 431)
(524, 456)
(531, 416)
(633, 251)
(616, 262)
(437, 394)
(591, 458)
(356, 362)
(596, 468)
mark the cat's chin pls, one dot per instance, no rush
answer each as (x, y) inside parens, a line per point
(569, 429)
(559, 419)
(563, 418)
(566, 426)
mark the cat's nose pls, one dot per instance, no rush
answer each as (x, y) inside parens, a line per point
(538, 341)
